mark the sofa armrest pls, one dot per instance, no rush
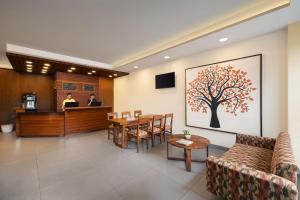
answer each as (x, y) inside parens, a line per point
(232, 180)
(263, 142)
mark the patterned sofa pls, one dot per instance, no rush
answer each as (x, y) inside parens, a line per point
(254, 168)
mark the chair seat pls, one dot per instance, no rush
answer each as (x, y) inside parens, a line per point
(111, 126)
(142, 133)
(155, 129)
(251, 156)
(167, 128)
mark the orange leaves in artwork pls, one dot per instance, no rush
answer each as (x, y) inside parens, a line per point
(220, 85)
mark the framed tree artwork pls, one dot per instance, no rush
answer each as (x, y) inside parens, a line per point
(225, 96)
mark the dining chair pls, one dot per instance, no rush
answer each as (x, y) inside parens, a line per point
(126, 114)
(137, 113)
(167, 127)
(138, 133)
(155, 128)
(111, 115)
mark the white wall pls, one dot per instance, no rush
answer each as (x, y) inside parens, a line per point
(137, 91)
(293, 86)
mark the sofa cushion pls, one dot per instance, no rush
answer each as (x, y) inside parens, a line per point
(283, 163)
(251, 156)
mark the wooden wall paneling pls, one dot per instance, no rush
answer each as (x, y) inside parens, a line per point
(13, 85)
(106, 91)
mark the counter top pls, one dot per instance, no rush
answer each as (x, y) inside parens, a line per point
(87, 107)
(39, 112)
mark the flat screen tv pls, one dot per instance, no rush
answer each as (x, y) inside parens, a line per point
(165, 80)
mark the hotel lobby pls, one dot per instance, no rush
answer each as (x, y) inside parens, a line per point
(130, 100)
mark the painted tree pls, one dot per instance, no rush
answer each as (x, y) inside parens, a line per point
(217, 85)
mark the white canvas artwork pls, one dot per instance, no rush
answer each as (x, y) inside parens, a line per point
(225, 96)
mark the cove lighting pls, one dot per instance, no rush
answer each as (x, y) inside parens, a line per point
(223, 39)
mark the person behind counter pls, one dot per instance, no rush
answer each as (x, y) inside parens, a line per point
(91, 99)
(68, 99)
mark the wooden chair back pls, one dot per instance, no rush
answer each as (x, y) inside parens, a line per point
(143, 122)
(112, 115)
(157, 121)
(126, 114)
(137, 113)
(168, 121)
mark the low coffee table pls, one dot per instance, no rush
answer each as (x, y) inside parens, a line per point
(198, 143)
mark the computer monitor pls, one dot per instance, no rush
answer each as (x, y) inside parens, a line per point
(71, 104)
(96, 103)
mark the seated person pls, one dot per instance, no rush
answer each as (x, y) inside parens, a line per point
(92, 99)
(68, 99)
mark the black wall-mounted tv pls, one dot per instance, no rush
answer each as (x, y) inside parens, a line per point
(165, 80)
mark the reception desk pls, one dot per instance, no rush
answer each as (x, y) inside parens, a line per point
(86, 119)
(72, 121)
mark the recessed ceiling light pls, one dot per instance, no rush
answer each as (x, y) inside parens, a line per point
(29, 70)
(93, 71)
(167, 57)
(45, 67)
(89, 73)
(29, 65)
(28, 62)
(69, 70)
(73, 68)
(115, 74)
(135, 67)
(47, 64)
(110, 76)
(223, 39)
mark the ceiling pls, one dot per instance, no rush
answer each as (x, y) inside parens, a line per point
(36, 65)
(103, 30)
(110, 31)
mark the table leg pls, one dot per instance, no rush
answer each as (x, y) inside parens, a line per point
(123, 137)
(207, 152)
(188, 159)
(115, 134)
(168, 150)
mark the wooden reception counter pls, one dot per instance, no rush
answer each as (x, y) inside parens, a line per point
(73, 120)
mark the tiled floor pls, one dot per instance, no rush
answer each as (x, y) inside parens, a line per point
(89, 167)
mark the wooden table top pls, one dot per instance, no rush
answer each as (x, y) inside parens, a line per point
(122, 121)
(198, 141)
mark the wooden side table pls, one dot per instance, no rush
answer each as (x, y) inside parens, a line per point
(198, 143)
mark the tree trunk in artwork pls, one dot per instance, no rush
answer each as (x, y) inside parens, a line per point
(214, 121)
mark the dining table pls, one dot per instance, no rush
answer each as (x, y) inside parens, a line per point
(120, 125)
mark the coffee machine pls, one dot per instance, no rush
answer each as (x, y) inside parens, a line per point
(29, 101)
